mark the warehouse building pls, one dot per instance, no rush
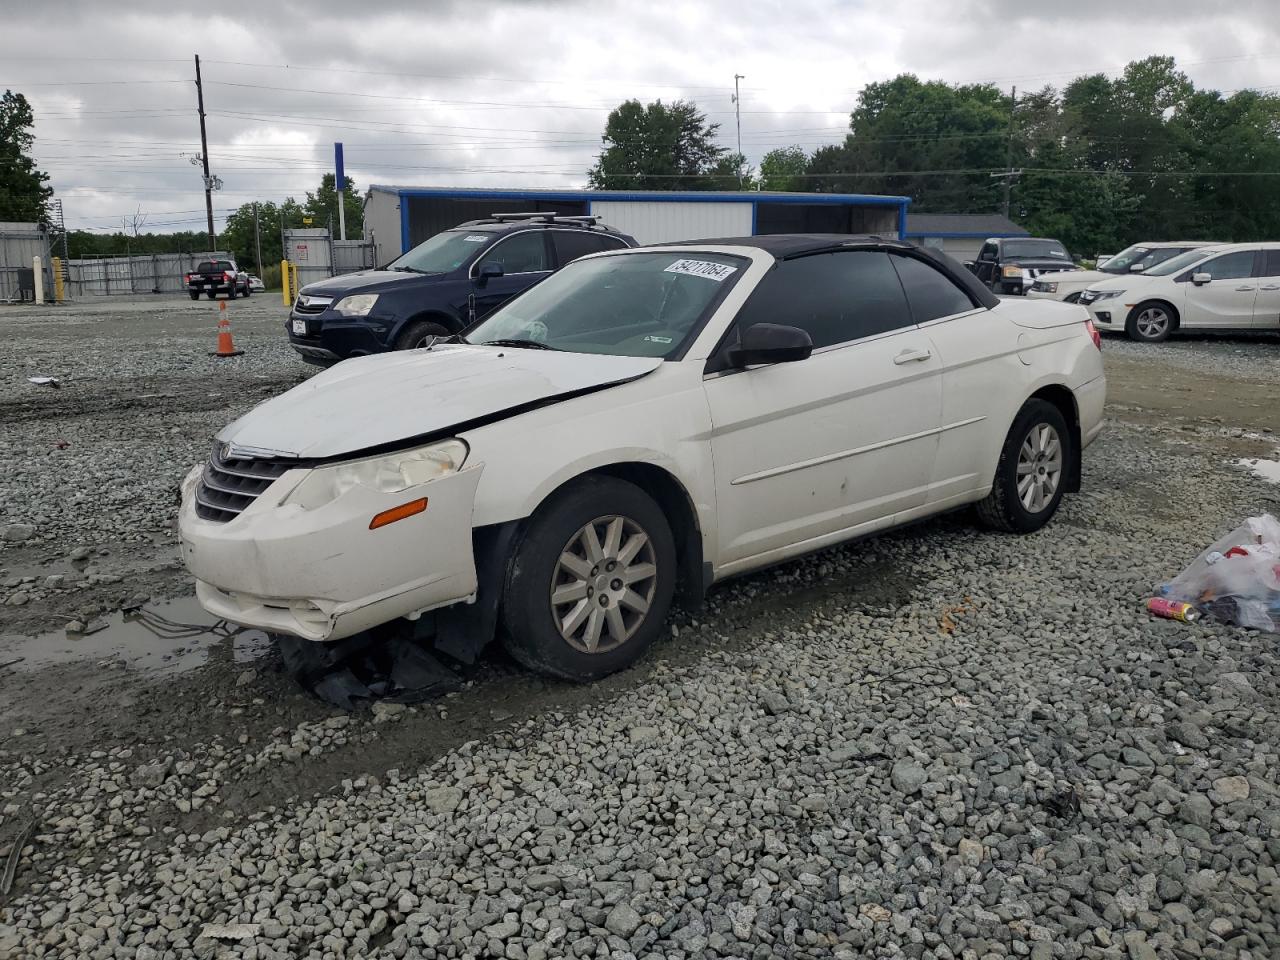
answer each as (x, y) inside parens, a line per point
(399, 218)
(958, 235)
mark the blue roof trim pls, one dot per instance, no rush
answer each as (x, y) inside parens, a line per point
(661, 196)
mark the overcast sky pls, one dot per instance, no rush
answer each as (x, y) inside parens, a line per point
(512, 93)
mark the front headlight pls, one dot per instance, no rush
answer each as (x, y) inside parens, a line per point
(1040, 286)
(392, 473)
(1106, 294)
(1011, 272)
(356, 306)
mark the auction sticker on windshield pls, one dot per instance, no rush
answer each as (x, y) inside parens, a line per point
(475, 238)
(702, 268)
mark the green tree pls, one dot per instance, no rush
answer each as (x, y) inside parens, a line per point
(23, 193)
(659, 147)
(322, 206)
(237, 235)
(784, 169)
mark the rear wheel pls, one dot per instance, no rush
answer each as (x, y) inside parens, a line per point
(1035, 461)
(195, 294)
(211, 294)
(248, 289)
(1151, 322)
(591, 582)
(418, 334)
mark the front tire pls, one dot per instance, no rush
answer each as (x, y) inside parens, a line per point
(419, 334)
(1031, 477)
(591, 582)
(1151, 322)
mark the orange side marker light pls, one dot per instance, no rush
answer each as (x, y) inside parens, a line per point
(409, 509)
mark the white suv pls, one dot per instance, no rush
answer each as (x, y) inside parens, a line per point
(1224, 287)
(1069, 284)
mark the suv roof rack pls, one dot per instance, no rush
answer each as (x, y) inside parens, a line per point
(589, 221)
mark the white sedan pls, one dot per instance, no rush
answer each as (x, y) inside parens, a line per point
(645, 422)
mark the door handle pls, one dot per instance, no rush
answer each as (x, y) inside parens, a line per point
(911, 356)
(1245, 289)
(1271, 286)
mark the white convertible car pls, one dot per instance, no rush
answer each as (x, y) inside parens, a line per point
(644, 422)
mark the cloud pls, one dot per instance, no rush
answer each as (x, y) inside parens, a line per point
(516, 93)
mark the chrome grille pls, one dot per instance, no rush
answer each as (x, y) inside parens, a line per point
(229, 484)
(306, 304)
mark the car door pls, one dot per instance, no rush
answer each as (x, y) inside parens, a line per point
(524, 259)
(837, 441)
(976, 348)
(1266, 308)
(1227, 299)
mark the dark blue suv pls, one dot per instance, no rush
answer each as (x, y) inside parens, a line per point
(440, 286)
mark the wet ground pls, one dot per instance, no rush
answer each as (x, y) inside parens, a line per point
(140, 400)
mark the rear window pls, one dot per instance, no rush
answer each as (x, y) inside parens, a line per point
(213, 266)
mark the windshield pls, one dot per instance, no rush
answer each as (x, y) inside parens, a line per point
(1035, 248)
(629, 305)
(1174, 264)
(443, 253)
(1145, 257)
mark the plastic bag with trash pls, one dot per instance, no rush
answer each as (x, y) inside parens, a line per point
(1236, 580)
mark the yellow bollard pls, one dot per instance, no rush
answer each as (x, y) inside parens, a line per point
(284, 283)
(59, 294)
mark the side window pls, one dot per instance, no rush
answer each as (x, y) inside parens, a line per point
(930, 293)
(988, 252)
(572, 244)
(522, 253)
(1230, 266)
(1271, 263)
(834, 297)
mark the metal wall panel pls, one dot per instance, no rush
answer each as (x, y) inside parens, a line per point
(667, 222)
(20, 243)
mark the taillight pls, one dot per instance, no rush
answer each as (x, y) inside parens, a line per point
(1093, 332)
(226, 276)
(186, 278)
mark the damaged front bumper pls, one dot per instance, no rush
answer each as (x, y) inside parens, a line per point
(323, 574)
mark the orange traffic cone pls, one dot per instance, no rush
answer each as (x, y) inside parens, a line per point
(226, 348)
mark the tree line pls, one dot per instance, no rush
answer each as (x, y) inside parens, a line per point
(1104, 162)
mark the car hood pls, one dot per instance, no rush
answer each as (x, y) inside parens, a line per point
(1076, 276)
(370, 281)
(388, 399)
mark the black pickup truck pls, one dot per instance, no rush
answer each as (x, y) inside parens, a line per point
(212, 277)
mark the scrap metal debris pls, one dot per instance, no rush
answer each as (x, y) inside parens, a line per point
(230, 931)
(386, 663)
(45, 382)
(15, 853)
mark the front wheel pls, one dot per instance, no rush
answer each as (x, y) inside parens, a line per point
(1035, 461)
(591, 582)
(418, 334)
(1150, 322)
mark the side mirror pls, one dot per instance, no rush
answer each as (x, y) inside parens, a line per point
(1200, 279)
(969, 264)
(489, 270)
(771, 343)
(1137, 267)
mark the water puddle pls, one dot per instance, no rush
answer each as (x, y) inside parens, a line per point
(1264, 469)
(161, 638)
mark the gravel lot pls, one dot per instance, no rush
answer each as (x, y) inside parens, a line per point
(940, 743)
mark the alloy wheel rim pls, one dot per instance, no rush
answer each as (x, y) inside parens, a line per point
(1039, 468)
(1152, 322)
(603, 584)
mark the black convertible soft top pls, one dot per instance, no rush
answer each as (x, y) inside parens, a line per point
(788, 246)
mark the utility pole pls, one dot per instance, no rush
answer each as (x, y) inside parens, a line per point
(1009, 173)
(257, 238)
(737, 111)
(204, 156)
